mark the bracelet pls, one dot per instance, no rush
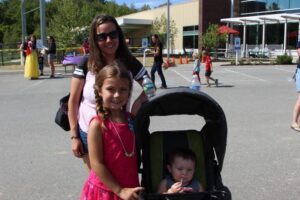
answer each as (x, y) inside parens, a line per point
(74, 137)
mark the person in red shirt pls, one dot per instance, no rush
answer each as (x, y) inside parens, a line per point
(208, 68)
(86, 46)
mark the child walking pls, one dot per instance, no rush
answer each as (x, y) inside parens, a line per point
(181, 166)
(41, 63)
(196, 67)
(208, 68)
(111, 141)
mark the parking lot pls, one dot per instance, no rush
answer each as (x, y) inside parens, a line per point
(262, 160)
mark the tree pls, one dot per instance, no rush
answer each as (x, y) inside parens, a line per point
(66, 20)
(159, 27)
(145, 7)
(211, 39)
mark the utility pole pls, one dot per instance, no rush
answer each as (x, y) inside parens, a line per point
(42, 20)
(24, 30)
(43, 23)
(168, 29)
(23, 18)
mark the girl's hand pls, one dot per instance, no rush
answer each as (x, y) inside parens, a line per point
(176, 188)
(130, 193)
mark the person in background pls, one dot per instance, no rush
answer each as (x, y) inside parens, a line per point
(196, 66)
(86, 46)
(296, 111)
(23, 47)
(51, 55)
(41, 63)
(107, 44)
(208, 68)
(158, 61)
(31, 70)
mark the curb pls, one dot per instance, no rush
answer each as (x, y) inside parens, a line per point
(47, 70)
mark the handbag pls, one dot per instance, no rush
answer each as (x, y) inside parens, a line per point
(61, 117)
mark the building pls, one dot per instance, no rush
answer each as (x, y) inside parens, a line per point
(266, 25)
(191, 19)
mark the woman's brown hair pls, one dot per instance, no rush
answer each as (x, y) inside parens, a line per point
(96, 58)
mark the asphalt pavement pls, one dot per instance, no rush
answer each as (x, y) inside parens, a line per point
(262, 160)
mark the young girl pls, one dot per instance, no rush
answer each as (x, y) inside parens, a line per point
(181, 166)
(111, 141)
(196, 67)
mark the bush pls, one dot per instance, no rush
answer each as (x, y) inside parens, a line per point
(284, 59)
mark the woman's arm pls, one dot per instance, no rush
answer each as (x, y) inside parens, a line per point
(73, 106)
(95, 148)
(139, 100)
(298, 51)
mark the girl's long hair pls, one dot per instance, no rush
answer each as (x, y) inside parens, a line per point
(96, 59)
(115, 70)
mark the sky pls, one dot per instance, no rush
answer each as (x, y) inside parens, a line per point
(151, 3)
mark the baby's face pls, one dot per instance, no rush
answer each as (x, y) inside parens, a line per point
(182, 170)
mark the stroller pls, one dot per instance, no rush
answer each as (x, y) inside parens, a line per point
(209, 143)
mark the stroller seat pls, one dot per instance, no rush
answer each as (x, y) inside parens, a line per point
(162, 143)
(208, 143)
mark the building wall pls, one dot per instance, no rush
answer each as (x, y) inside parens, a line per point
(210, 12)
(184, 14)
(274, 32)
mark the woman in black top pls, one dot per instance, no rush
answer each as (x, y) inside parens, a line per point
(51, 54)
(158, 61)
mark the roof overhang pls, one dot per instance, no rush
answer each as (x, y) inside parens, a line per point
(130, 23)
(260, 19)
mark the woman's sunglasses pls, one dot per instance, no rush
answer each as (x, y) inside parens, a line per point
(103, 36)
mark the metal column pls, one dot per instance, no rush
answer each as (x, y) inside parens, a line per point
(43, 22)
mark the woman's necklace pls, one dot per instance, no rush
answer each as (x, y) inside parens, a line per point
(127, 154)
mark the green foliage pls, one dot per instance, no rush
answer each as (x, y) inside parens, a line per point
(145, 7)
(66, 20)
(67, 24)
(211, 39)
(284, 59)
(159, 26)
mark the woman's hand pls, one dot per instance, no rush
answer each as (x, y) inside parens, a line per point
(77, 147)
(130, 193)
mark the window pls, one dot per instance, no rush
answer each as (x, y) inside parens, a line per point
(190, 37)
(294, 4)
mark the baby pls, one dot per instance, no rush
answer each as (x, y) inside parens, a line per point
(181, 166)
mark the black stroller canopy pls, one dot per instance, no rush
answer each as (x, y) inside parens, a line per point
(179, 101)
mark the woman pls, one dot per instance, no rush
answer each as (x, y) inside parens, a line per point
(158, 61)
(107, 44)
(296, 111)
(31, 70)
(51, 54)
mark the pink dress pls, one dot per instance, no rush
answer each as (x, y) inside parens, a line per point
(123, 168)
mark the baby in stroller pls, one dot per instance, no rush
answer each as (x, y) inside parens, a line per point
(208, 143)
(181, 166)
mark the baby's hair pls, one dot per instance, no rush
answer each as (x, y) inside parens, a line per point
(184, 153)
(114, 70)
